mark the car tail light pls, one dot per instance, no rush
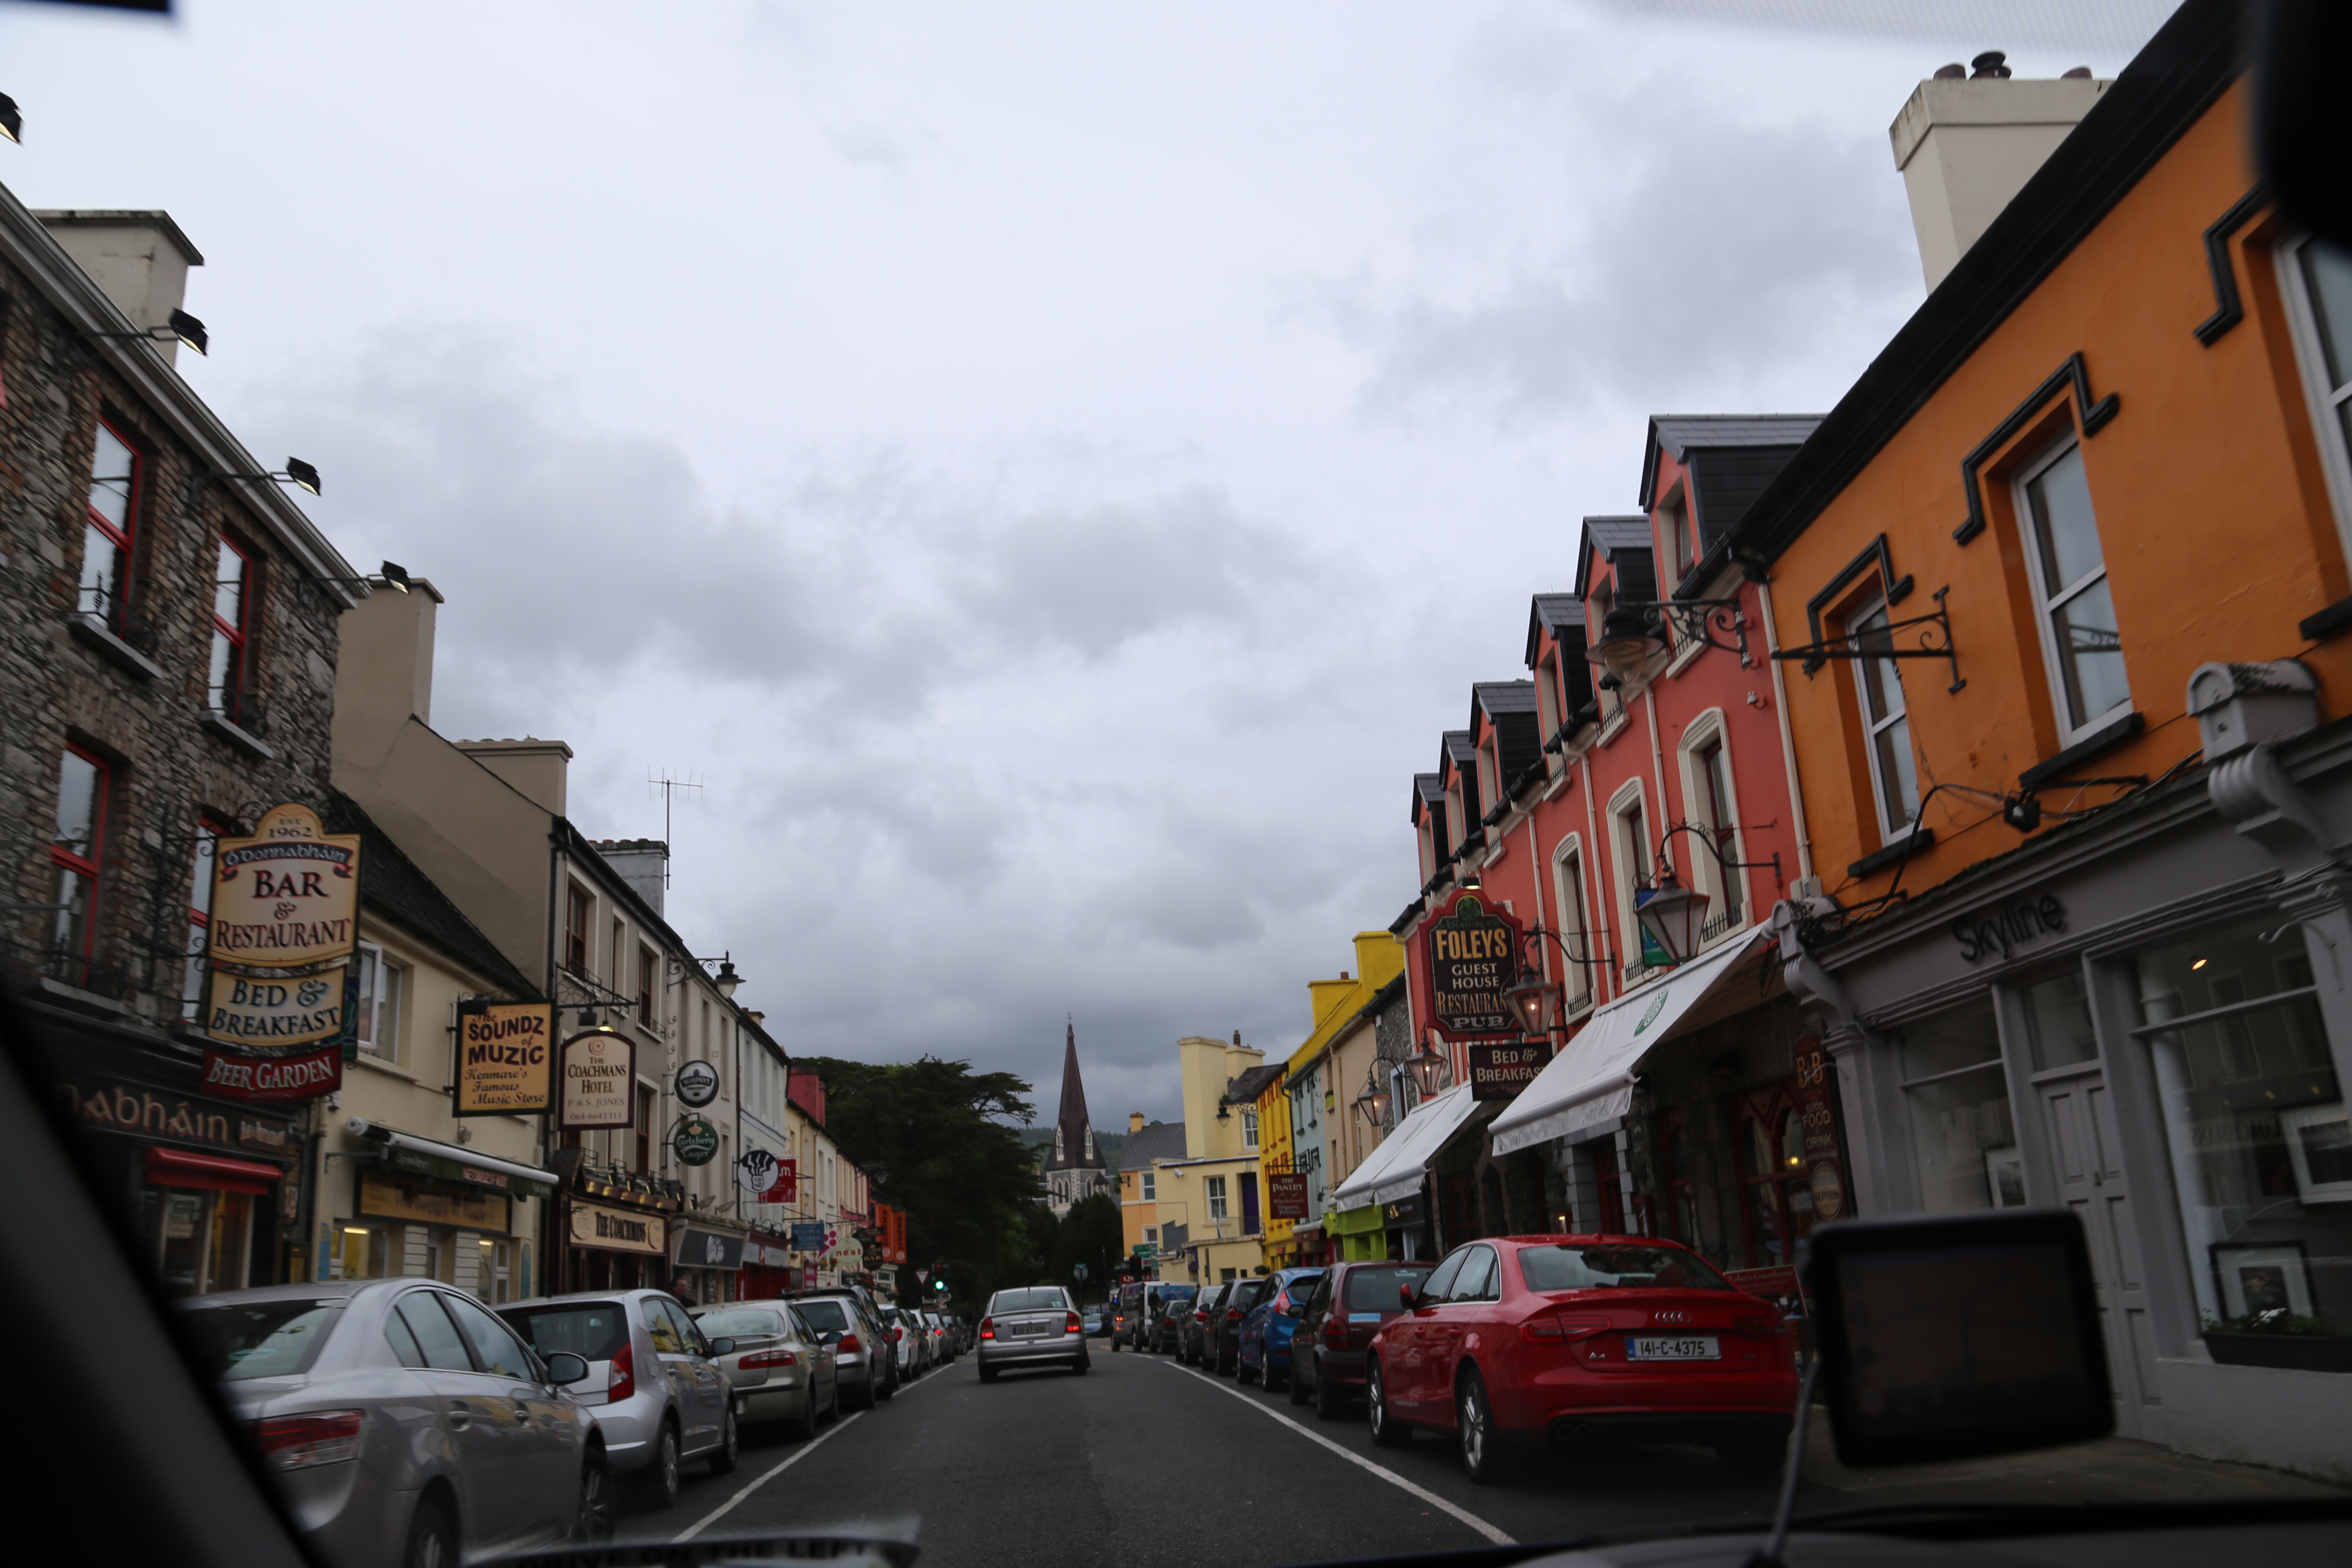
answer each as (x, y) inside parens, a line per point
(1232, 1314)
(896, 1335)
(318, 1437)
(624, 1382)
(1561, 1326)
(848, 1344)
(1777, 1330)
(1335, 1331)
(767, 1359)
(988, 1328)
(1070, 1324)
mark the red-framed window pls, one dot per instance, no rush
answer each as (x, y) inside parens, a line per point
(1777, 1201)
(209, 832)
(77, 851)
(232, 615)
(111, 519)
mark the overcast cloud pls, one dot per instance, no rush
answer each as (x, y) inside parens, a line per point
(1048, 472)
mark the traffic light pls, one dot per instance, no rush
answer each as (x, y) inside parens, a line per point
(939, 1285)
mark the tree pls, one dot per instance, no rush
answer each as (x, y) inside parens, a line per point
(948, 1144)
(1091, 1233)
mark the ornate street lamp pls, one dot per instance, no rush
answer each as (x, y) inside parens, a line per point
(1671, 916)
(1375, 1101)
(1628, 638)
(1538, 1002)
(1428, 1070)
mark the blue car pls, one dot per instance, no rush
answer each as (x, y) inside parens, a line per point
(1266, 1332)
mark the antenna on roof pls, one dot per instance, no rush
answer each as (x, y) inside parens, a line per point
(669, 788)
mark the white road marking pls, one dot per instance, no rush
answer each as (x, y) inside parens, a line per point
(1423, 1493)
(786, 1463)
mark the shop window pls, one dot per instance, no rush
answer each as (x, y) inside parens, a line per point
(1963, 1139)
(379, 985)
(2319, 288)
(361, 1252)
(494, 1275)
(1217, 1197)
(200, 916)
(78, 852)
(2058, 1023)
(1886, 725)
(227, 681)
(205, 1240)
(2254, 1113)
(109, 522)
(1779, 1211)
(2069, 568)
(576, 930)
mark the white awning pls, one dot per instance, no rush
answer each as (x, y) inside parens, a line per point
(1394, 1169)
(425, 1156)
(1591, 1080)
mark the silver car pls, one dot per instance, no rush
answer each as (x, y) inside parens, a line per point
(403, 1423)
(780, 1369)
(1034, 1326)
(864, 1358)
(653, 1384)
(905, 1331)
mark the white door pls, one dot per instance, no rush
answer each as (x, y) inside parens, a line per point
(2078, 1121)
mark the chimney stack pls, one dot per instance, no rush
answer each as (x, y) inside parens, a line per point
(1135, 1121)
(1968, 142)
(140, 258)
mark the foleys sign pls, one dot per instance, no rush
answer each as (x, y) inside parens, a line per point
(598, 1070)
(503, 1051)
(1473, 960)
(2011, 925)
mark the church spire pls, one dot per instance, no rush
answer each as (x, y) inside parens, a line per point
(1073, 1138)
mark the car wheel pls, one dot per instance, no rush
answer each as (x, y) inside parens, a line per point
(890, 1389)
(1080, 1365)
(832, 1404)
(660, 1483)
(432, 1539)
(1330, 1401)
(805, 1426)
(1296, 1390)
(722, 1458)
(1387, 1431)
(1482, 1459)
(598, 1506)
(1244, 1372)
(1753, 1462)
(987, 1373)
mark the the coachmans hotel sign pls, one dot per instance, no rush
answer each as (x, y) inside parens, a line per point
(280, 991)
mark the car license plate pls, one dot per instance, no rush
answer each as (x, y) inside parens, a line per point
(1661, 1347)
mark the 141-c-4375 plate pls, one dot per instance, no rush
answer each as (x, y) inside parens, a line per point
(1672, 1347)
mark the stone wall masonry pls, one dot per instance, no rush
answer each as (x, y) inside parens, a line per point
(142, 708)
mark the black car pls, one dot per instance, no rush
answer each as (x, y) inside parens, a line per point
(1165, 1315)
(1193, 1346)
(1349, 1305)
(1225, 1329)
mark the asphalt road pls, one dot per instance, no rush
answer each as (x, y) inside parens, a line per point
(1144, 1462)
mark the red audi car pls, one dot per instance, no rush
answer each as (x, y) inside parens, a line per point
(1628, 1338)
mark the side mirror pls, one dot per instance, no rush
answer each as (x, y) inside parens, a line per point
(1409, 1297)
(564, 1367)
(721, 1346)
(830, 1337)
(1297, 1310)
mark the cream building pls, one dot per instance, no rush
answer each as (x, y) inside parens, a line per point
(1209, 1204)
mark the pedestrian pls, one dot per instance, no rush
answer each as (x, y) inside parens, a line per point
(685, 1293)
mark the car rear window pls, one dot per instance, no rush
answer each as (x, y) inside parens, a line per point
(1616, 1266)
(733, 1322)
(1044, 1298)
(1375, 1290)
(1247, 1295)
(259, 1339)
(825, 1317)
(591, 1329)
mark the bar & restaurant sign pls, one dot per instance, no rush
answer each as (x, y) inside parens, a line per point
(279, 989)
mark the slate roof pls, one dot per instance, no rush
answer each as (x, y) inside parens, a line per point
(1500, 696)
(1072, 1123)
(1626, 543)
(1245, 1087)
(1158, 1141)
(1510, 707)
(1678, 433)
(1562, 615)
(1455, 746)
(391, 884)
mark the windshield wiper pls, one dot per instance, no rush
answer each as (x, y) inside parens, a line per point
(793, 1546)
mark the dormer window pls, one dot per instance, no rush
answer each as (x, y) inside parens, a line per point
(1680, 533)
(1490, 770)
(1548, 695)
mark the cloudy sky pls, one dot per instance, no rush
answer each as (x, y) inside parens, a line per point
(1049, 471)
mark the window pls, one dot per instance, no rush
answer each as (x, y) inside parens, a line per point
(109, 522)
(1711, 793)
(1150, 1186)
(2261, 1149)
(77, 850)
(2070, 588)
(648, 967)
(1886, 725)
(1547, 713)
(379, 1003)
(576, 930)
(1612, 701)
(646, 1112)
(1490, 773)
(1575, 979)
(1780, 1208)
(232, 588)
(1634, 876)
(1963, 1139)
(1249, 1126)
(1476, 1281)
(2320, 287)
(1151, 1235)
(1217, 1197)
(494, 1275)
(420, 1313)
(2058, 1023)
(1681, 536)
(200, 917)
(618, 974)
(1681, 1222)
(496, 1350)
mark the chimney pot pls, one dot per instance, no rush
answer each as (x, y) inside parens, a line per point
(1992, 63)
(2080, 73)
(1953, 72)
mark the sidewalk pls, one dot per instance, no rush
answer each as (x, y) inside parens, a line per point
(2111, 1469)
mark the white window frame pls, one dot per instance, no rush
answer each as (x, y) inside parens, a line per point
(1218, 1208)
(1249, 1126)
(1568, 862)
(1151, 1187)
(2048, 601)
(2325, 405)
(1889, 829)
(384, 1010)
(1709, 728)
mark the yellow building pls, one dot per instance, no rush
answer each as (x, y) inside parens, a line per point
(1209, 1205)
(1139, 1182)
(1317, 1088)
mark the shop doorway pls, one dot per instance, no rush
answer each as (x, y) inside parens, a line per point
(2078, 1121)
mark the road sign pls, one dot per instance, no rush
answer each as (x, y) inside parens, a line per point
(922, 1276)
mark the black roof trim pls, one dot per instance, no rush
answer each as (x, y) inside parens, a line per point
(1681, 434)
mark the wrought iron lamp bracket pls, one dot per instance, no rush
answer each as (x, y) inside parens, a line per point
(1934, 636)
(1698, 621)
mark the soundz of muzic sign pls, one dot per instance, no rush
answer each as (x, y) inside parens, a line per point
(1473, 960)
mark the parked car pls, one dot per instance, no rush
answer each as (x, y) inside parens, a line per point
(652, 1386)
(1222, 1336)
(864, 1359)
(1192, 1329)
(781, 1368)
(395, 1414)
(1344, 1311)
(1265, 1355)
(905, 1337)
(1569, 1337)
(1035, 1325)
(1098, 1321)
(943, 1341)
(1166, 1309)
(1126, 1306)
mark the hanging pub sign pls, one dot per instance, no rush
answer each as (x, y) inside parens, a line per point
(596, 1074)
(276, 1010)
(1473, 961)
(504, 1049)
(287, 896)
(1286, 1194)
(696, 1141)
(1818, 1113)
(289, 1075)
(697, 1085)
(1500, 1071)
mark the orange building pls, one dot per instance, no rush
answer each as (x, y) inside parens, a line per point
(2061, 590)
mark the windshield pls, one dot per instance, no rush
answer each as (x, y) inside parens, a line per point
(1832, 519)
(1571, 1266)
(238, 1341)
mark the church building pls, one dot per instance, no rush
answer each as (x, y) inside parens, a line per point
(1074, 1170)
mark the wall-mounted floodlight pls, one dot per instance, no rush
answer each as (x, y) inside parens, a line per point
(179, 326)
(394, 578)
(296, 472)
(12, 124)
